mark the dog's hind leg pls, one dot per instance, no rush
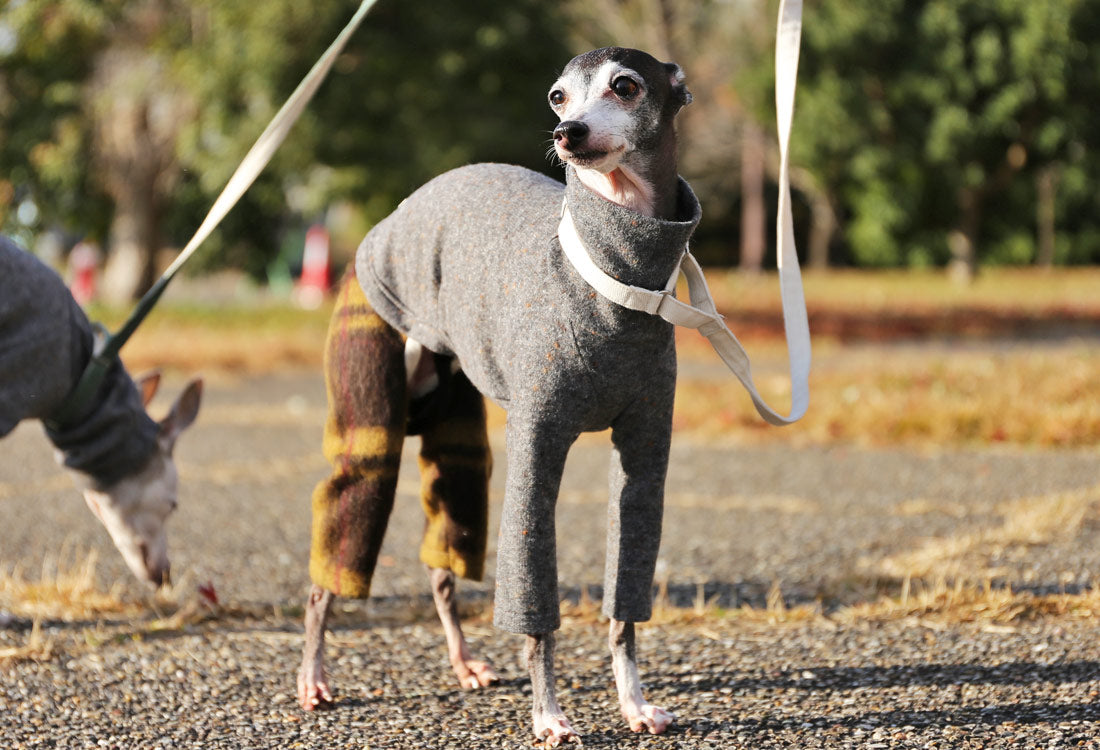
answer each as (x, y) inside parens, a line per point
(313, 689)
(364, 432)
(455, 463)
(472, 673)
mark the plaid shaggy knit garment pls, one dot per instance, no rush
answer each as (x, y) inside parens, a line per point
(369, 416)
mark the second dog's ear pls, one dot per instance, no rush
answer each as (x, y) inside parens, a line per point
(680, 93)
(147, 385)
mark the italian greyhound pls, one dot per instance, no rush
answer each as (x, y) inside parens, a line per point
(470, 268)
(116, 454)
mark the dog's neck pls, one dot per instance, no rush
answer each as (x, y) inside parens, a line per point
(648, 187)
(633, 248)
(115, 439)
(622, 186)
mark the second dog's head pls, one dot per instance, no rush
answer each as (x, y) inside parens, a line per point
(135, 508)
(616, 107)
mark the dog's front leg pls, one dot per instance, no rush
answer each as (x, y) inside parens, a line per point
(313, 689)
(527, 574)
(639, 461)
(549, 720)
(640, 715)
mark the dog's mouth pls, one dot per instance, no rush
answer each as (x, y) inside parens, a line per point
(587, 157)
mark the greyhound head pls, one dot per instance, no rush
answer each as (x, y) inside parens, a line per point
(617, 108)
(135, 508)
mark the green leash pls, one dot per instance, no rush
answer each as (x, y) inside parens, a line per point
(105, 353)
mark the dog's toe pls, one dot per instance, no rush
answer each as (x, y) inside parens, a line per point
(652, 719)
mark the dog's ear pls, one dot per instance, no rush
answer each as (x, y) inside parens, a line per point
(147, 385)
(181, 415)
(680, 94)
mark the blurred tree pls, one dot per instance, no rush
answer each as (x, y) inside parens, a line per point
(425, 87)
(132, 114)
(926, 130)
(43, 135)
(923, 119)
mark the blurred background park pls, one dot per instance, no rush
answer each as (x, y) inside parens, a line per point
(945, 162)
(946, 157)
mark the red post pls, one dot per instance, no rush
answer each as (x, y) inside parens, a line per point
(314, 281)
(83, 265)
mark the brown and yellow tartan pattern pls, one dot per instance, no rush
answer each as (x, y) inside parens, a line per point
(364, 433)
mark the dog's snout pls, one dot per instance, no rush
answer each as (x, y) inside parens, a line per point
(160, 575)
(570, 133)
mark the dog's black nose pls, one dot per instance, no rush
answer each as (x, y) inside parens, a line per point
(570, 133)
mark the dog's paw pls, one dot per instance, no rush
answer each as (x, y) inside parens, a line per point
(473, 674)
(313, 690)
(552, 731)
(648, 718)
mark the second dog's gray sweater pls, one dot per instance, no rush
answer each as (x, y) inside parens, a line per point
(470, 266)
(45, 343)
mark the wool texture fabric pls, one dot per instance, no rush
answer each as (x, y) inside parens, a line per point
(46, 341)
(368, 419)
(470, 266)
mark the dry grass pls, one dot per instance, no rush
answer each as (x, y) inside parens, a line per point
(940, 604)
(871, 395)
(69, 593)
(1025, 522)
(1025, 396)
(245, 339)
(36, 648)
(65, 590)
(68, 590)
(871, 294)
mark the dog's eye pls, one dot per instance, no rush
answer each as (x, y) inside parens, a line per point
(624, 87)
(557, 98)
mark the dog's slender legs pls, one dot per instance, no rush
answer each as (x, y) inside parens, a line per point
(550, 723)
(641, 716)
(527, 575)
(313, 690)
(472, 673)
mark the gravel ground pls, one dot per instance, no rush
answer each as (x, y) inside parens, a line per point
(897, 685)
(820, 522)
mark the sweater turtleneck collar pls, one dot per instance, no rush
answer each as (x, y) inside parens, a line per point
(115, 439)
(631, 247)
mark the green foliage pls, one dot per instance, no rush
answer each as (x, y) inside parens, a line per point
(918, 120)
(427, 87)
(42, 137)
(421, 88)
(911, 111)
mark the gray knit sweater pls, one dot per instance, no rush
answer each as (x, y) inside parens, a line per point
(45, 342)
(470, 266)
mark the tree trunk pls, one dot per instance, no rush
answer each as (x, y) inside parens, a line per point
(134, 241)
(963, 241)
(1046, 183)
(752, 198)
(822, 228)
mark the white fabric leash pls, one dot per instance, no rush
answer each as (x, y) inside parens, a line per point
(701, 313)
(78, 401)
